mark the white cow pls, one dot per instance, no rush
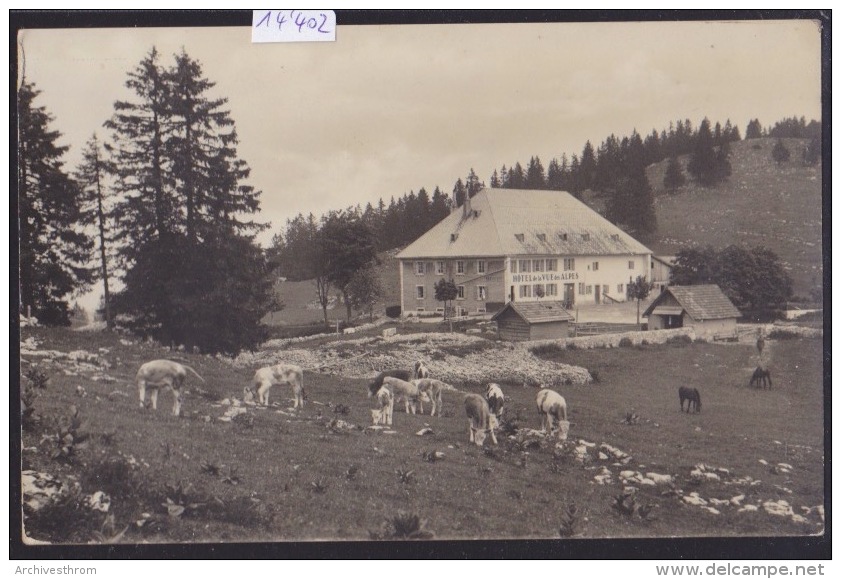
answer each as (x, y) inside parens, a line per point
(480, 420)
(290, 374)
(385, 412)
(159, 374)
(553, 408)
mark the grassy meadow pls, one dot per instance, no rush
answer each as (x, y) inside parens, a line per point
(279, 475)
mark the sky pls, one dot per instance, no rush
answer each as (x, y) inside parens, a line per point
(384, 110)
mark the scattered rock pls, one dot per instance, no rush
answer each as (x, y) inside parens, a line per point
(660, 479)
(99, 501)
(424, 431)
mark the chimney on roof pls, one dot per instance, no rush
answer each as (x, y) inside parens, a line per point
(466, 206)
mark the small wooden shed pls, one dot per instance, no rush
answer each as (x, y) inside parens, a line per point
(703, 307)
(521, 321)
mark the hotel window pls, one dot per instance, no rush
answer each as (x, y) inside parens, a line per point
(419, 267)
(541, 237)
(551, 289)
(581, 289)
(605, 289)
(520, 236)
(620, 288)
(481, 293)
(461, 292)
(525, 265)
(563, 236)
(419, 292)
(585, 237)
(569, 264)
(631, 264)
(480, 267)
(460, 267)
(539, 290)
(589, 289)
(595, 266)
(513, 266)
(551, 265)
(525, 291)
(439, 267)
(537, 265)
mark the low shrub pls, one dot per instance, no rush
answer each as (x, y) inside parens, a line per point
(393, 311)
(551, 348)
(68, 519)
(782, 334)
(682, 340)
(625, 342)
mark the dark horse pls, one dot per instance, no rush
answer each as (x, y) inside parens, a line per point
(761, 377)
(692, 396)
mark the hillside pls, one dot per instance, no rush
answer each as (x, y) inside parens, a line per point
(760, 204)
(302, 308)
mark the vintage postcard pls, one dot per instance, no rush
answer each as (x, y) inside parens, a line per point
(316, 279)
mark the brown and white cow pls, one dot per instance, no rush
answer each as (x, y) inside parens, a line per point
(159, 374)
(495, 398)
(291, 374)
(420, 370)
(480, 420)
(553, 409)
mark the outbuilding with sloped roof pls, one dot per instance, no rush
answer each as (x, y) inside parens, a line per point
(520, 321)
(704, 307)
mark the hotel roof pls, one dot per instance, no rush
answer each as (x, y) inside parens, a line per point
(505, 222)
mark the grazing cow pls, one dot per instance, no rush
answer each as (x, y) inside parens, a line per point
(495, 398)
(377, 383)
(420, 370)
(692, 398)
(553, 409)
(269, 376)
(432, 389)
(159, 374)
(385, 401)
(405, 390)
(480, 420)
(761, 377)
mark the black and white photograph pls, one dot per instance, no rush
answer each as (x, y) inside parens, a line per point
(321, 277)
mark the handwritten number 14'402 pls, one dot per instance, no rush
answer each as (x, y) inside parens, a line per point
(296, 19)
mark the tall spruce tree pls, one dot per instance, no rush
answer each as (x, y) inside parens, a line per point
(186, 238)
(91, 176)
(473, 184)
(54, 250)
(588, 166)
(535, 175)
(708, 166)
(631, 200)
